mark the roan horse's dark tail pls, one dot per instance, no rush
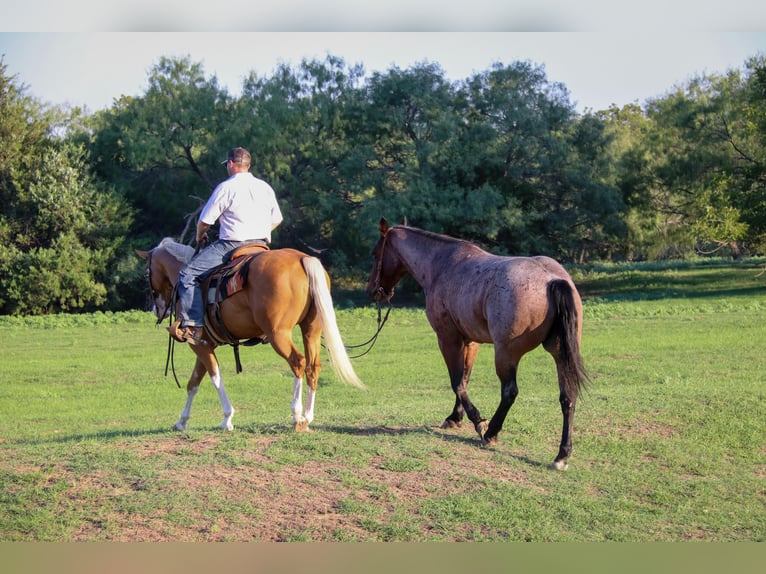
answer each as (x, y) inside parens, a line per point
(565, 333)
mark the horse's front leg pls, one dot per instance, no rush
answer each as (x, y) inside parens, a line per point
(469, 356)
(206, 355)
(192, 387)
(228, 409)
(459, 357)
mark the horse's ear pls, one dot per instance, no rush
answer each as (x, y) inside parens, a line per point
(142, 254)
(404, 220)
(383, 226)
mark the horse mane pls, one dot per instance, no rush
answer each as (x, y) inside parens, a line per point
(433, 235)
(178, 250)
(446, 241)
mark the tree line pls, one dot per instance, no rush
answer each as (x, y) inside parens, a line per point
(501, 159)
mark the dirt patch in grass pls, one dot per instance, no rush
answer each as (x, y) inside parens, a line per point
(264, 501)
(636, 428)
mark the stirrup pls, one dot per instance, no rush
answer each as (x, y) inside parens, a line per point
(194, 335)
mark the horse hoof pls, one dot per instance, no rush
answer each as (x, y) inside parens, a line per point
(450, 424)
(559, 464)
(301, 426)
(180, 427)
(227, 427)
(489, 442)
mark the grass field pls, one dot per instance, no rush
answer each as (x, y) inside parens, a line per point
(669, 441)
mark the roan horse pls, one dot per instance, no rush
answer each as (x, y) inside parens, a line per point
(475, 297)
(283, 288)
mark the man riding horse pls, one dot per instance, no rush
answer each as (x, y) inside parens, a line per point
(247, 210)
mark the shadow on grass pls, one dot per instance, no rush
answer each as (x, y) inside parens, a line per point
(104, 436)
(462, 436)
(687, 283)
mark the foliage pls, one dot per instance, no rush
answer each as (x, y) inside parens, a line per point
(163, 150)
(693, 166)
(60, 226)
(499, 158)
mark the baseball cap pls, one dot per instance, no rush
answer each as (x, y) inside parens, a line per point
(238, 155)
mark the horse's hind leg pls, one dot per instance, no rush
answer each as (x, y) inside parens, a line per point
(312, 333)
(509, 390)
(567, 398)
(469, 356)
(283, 345)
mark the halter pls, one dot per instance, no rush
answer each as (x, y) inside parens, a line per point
(154, 293)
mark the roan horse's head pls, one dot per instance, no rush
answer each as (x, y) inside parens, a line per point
(387, 268)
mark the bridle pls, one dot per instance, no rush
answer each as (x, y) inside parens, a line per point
(378, 272)
(154, 293)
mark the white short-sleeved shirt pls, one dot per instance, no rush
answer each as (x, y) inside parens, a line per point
(246, 206)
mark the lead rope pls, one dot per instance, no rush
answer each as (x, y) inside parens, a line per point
(372, 340)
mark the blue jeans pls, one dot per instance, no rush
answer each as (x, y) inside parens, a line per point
(189, 291)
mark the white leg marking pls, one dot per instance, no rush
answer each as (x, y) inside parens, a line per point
(297, 404)
(228, 410)
(181, 425)
(310, 397)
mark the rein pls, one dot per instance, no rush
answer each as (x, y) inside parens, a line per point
(170, 360)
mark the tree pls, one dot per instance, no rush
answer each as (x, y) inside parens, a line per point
(543, 162)
(163, 150)
(696, 173)
(301, 125)
(412, 132)
(60, 228)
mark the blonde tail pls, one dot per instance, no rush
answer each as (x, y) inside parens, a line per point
(320, 293)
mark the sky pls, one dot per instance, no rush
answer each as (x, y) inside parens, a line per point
(92, 60)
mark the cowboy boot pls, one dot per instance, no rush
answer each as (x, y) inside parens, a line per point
(175, 331)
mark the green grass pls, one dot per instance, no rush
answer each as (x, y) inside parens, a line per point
(669, 440)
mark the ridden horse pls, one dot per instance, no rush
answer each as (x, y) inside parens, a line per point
(283, 288)
(472, 297)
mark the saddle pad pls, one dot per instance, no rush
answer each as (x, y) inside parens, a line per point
(231, 279)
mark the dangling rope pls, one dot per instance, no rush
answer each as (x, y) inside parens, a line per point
(170, 361)
(372, 340)
(378, 271)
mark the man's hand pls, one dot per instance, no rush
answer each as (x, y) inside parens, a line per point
(201, 237)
